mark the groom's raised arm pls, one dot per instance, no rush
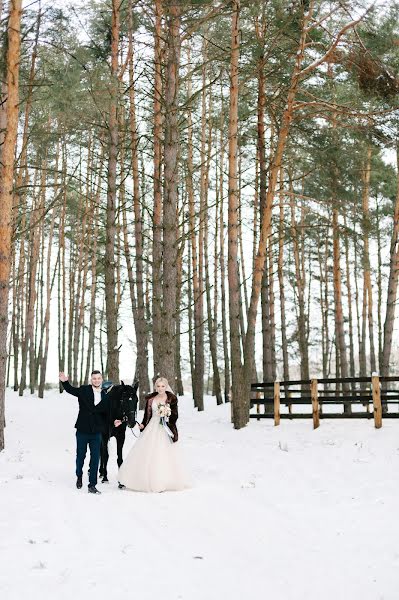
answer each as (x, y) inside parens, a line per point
(67, 386)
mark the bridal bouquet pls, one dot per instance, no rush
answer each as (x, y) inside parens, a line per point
(164, 412)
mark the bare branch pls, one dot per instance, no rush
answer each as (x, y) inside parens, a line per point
(344, 29)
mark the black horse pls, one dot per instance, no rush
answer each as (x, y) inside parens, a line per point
(122, 406)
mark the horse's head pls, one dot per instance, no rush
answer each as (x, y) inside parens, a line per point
(125, 398)
(129, 401)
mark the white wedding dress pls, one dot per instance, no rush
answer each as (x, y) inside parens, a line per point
(154, 464)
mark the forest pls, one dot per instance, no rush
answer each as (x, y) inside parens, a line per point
(209, 188)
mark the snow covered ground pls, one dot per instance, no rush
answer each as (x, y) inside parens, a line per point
(277, 513)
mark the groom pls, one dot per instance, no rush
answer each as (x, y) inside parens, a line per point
(93, 410)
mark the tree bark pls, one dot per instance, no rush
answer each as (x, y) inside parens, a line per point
(350, 314)
(50, 277)
(83, 245)
(157, 210)
(109, 259)
(6, 189)
(216, 388)
(300, 285)
(339, 317)
(93, 284)
(392, 283)
(28, 347)
(280, 270)
(197, 264)
(367, 288)
(169, 282)
(239, 393)
(140, 320)
(62, 312)
(179, 390)
(227, 378)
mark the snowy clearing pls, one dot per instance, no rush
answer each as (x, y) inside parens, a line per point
(282, 513)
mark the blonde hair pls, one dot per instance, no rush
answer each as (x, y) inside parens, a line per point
(161, 380)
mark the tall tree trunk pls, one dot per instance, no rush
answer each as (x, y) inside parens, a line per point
(349, 288)
(13, 344)
(62, 313)
(157, 211)
(129, 267)
(169, 282)
(93, 283)
(37, 346)
(196, 252)
(266, 332)
(227, 378)
(240, 396)
(323, 279)
(244, 285)
(367, 288)
(6, 189)
(50, 277)
(219, 398)
(28, 348)
(83, 245)
(190, 317)
(109, 259)
(211, 330)
(357, 297)
(260, 29)
(379, 284)
(300, 285)
(179, 390)
(71, 289)
(392, 283)
(339, 317)
(93, 286)
(140, 322)
(280, 271)
(272, 310)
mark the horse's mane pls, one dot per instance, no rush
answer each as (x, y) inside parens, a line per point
(118, 387)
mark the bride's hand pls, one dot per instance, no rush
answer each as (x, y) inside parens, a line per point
(141, 426)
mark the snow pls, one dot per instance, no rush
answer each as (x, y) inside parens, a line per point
(279, 513)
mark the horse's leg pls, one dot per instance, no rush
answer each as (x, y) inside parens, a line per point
(120, 440)
(104, 457)
(101, 469)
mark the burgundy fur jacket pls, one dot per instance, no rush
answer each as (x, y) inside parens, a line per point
(172, 401)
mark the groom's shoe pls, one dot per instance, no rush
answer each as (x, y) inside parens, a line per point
(79, 482)
(105, 479)
(121, 486)
(93, 490)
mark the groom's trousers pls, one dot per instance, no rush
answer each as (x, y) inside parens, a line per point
(93, 440)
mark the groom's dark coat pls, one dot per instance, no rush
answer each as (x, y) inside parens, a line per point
(172, 401)
(91, 418)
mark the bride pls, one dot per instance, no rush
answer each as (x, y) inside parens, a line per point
(153, 464)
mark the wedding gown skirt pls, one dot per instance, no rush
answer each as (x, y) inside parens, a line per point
(154, 464)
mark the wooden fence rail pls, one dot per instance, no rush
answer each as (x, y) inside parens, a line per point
(317, 394)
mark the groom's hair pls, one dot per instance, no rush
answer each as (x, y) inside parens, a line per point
(96, 373)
